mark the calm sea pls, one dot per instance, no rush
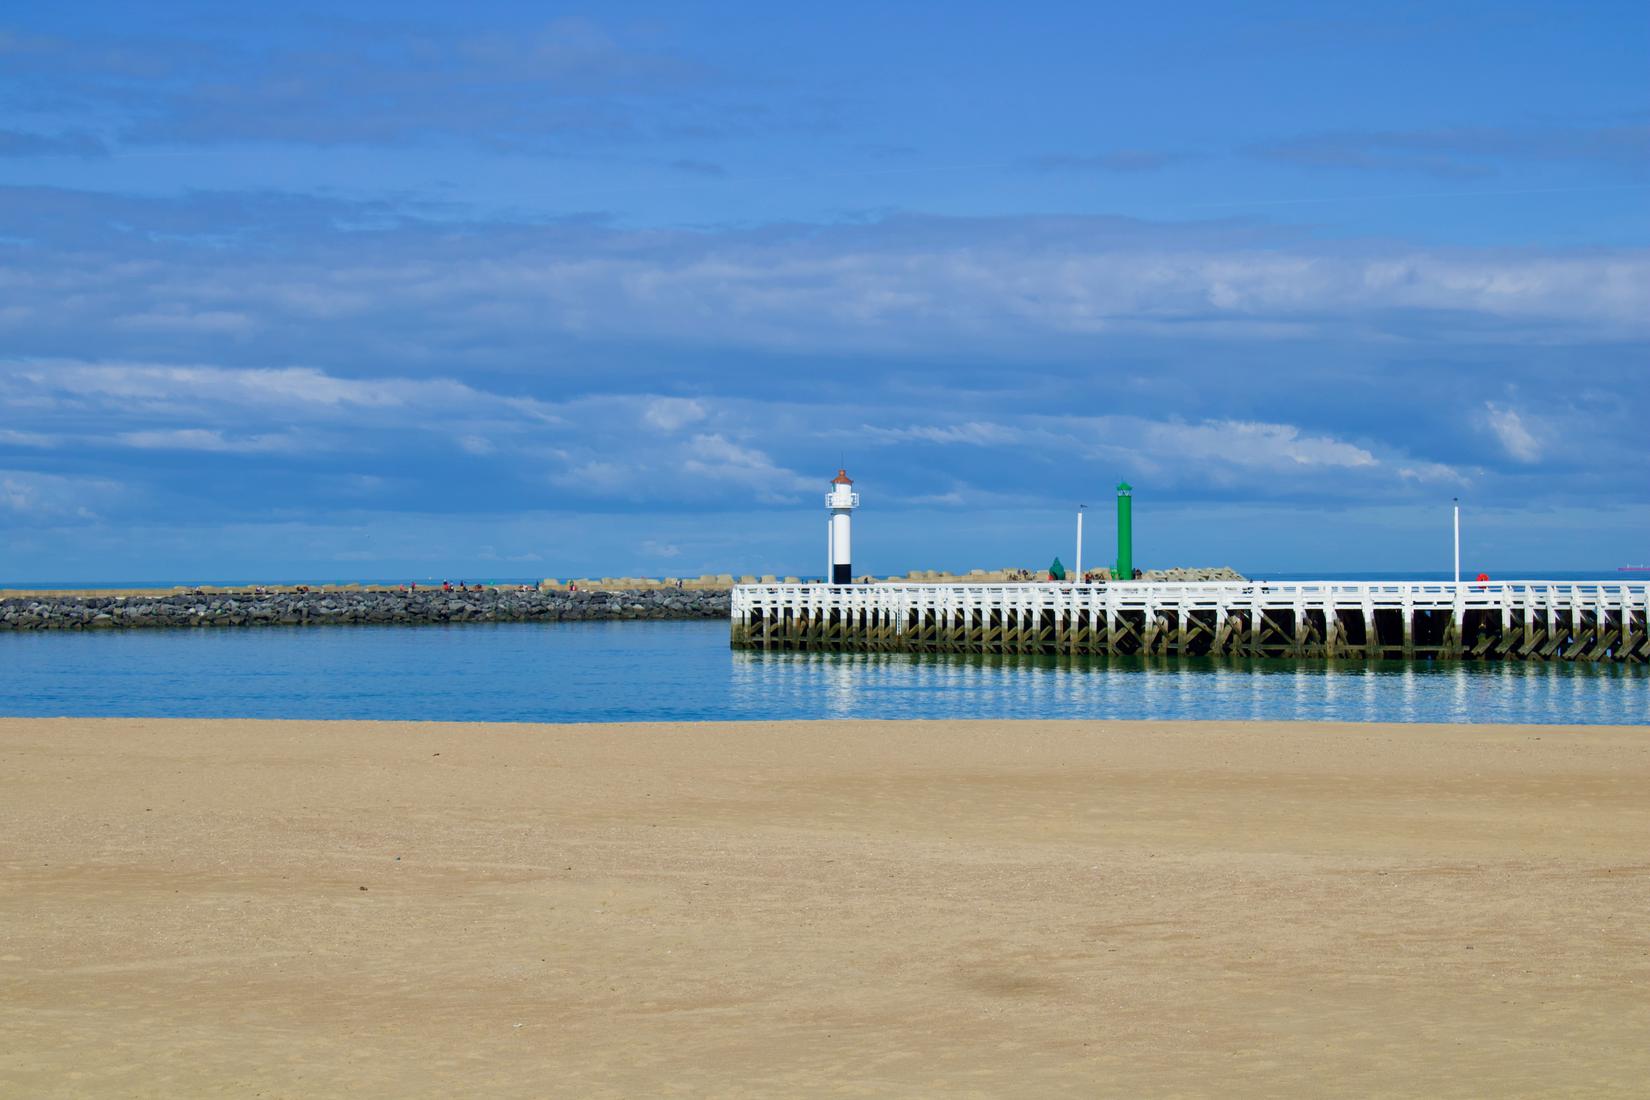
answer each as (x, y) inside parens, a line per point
(652, 671)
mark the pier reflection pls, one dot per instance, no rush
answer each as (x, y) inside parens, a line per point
(684, 671)
(897, 685)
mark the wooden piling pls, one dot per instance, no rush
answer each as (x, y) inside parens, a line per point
(1521, 620)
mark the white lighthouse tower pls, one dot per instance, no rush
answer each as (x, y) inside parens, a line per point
(841, 500)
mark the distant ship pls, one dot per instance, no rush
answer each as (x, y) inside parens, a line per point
(1633, 569)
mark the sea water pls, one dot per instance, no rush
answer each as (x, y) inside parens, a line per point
(684, 671)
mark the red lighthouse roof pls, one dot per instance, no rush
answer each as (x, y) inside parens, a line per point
(842, 478)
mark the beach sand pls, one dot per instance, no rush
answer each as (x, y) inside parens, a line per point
(298, 909)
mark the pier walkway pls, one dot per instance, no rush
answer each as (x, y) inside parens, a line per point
(1498, 620)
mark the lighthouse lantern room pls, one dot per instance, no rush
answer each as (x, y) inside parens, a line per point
(841, 500)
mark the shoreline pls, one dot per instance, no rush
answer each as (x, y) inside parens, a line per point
(990, 907)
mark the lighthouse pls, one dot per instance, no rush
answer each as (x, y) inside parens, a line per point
(841, 500)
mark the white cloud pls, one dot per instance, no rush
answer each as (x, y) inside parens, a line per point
(974, 432)
(299, 389)
(16, 494)
(669, 414)
(29, 439)
(990, 297)
(1429, 472)
(208, 439)
(1173, 451)
(1249, 443)
(211, 385)
(225, 409)
(600, 477)
(1173, 443)
(36, 498)
(708, 467)
(1515, 436)
(720, 464)
(993, 286)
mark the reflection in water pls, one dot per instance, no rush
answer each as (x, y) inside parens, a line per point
(646, 671)
(1023, 686)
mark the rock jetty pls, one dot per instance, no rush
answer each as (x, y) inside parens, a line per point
(355, 606)
(1222, 573)
(608, 598)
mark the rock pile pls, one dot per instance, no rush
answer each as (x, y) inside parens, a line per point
(1220, 574)
(486, 605)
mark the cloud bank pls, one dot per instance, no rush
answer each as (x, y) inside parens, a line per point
(253, 358)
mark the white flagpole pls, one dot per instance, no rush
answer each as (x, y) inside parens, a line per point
(1457, 542)
(1080, 508)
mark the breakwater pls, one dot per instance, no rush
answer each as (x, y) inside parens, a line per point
(1516, 620)
(354, 607)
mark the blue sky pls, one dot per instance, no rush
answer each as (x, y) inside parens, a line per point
(541, 291)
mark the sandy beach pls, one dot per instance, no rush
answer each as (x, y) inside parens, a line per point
(298, 909)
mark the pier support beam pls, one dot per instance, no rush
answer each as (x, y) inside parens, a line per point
(1450, 646)
(1575, 621)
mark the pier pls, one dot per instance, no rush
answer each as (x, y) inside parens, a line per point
(1501, 620)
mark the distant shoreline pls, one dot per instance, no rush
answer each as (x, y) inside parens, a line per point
(131, 587)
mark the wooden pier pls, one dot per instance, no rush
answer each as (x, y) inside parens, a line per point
(1499, 621)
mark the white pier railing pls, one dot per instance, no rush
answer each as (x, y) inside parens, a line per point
(1531, 620)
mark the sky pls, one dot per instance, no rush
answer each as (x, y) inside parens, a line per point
(431, 290)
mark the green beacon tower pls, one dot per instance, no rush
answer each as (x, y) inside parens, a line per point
(1124, 570)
